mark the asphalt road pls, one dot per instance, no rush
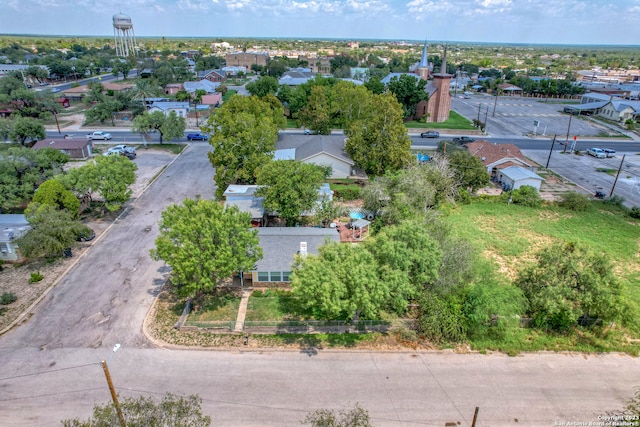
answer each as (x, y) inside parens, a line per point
(50, 369)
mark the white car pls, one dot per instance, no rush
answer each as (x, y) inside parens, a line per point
(598, 153)
(105, 136)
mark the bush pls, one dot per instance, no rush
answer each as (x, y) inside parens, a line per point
(574, 201)
(526, 196)
(634, 213)
(349, 193)
(35, 277)
(7, 298)
(615, 201)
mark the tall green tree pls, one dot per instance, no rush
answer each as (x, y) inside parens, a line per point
(381, 143)
(26, 129)
(409, 91)
(53, 193)
(113, 176)
(341, 282)
(169, 126)
(290, 187)
(350, 103)
(205, 244)
(52, 231)
(316, 114)
(243, 136)
(104, 110)
(567, 281)
(469, 170)
(263, 86)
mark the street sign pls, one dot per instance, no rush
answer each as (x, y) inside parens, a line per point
(536, 123)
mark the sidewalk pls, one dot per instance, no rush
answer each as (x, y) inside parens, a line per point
(242, 310)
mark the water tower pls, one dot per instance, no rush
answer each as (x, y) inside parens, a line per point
(123, 34)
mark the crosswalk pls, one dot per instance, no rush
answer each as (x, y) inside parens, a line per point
(526, 114)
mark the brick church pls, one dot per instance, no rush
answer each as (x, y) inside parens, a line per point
(437, 107)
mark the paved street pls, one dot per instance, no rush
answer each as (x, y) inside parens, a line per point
(50, 364)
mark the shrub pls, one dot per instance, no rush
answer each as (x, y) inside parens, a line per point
(349, 193)
(574, 201)
(35, 277)
(634, 213)
(526, 196)
(7, 298)
(615, 201)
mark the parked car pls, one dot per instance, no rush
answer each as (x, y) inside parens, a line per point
(197, 137)
(99, 135)
(609, 152)
(122, 150)
(123, 147)
(463, 140)
(430, 134)
(596, 152)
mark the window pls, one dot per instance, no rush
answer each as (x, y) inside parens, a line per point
(263, 276)
(276, 276)
(285, 276)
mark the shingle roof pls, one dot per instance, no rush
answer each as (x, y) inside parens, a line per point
(61, 144)
(389, 76)
(280, 244)
(253, 206)
(490, 153)
(317, 144)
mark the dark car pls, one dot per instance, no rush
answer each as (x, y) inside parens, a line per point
(430, 134)
(197, 137)
(463, 140)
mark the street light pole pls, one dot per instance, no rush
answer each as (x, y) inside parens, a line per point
(566, 141)
(112, 389)
(495, 104)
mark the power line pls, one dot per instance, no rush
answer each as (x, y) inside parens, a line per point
(48, 372)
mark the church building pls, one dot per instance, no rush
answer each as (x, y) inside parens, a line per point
(439, 103)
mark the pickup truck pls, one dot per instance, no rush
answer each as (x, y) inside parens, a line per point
(99, 135)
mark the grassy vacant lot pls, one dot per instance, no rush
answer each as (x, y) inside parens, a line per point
(455, 121)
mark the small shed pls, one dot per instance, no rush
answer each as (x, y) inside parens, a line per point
(360, 229)
(74, 148)
(12, 226)
(515, 177)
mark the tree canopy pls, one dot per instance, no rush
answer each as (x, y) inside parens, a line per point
(243, 136)
(263, 86)
(53, 193)
(169, 126)
(290, 187)
(408, 90)
(469, 170)
(26, 129)
(205, 244)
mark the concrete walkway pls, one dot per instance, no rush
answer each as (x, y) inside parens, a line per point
(242, 310)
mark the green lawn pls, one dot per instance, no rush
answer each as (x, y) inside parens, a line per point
(271, 305)
(228, 94)
(219, 307)
(455, 121)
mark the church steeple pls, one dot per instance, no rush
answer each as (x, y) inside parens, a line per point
(424, 61)
(443, 67)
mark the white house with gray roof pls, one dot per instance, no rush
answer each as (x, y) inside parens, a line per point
(12, 226)
(324, 150)
(280, 245)
(515, 177)
(181, 108)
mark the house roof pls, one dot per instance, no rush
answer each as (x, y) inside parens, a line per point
(517, 173)
(203, 84)
(509, 87)
(117, 86)
(167, 105)
(294, 81)
(389, 76)
(12, 226)
(253, 206)
(285, 154)
(623, 104)
(240, 190)
(61, 143)
(281, 244)
(318, 144)
(490, 153)
(76, 90)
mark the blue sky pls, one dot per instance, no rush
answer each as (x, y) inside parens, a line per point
(504, 21)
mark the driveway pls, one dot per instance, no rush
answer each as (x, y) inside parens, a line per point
(50, 364)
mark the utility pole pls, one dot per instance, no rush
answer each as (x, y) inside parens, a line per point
(485, 119)
(479, 105)
(475, 417)
(617, 175)
(566, 141)
(495, 104)
(550, 151)
(114, 396)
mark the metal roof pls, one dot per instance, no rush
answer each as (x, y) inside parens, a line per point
(517, 173)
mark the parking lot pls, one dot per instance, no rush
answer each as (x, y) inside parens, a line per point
(516, 115)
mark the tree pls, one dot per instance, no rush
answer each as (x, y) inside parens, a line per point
(103, 110)
(568, 281)
(112, 177)
(408, 259)
(205, 244)
(171, 411)
(145, 88)
(290, 187)
(374, 85)
(53, 193)
(316, 114)
(26, 129)
(469, 170)
(341, 282)
(169, 126)
(121, 66)
(526, 196)
(408, 90)
(263, 86)
(243, 136)
(356, 417)
(52, 231)
(381, 143)
(350, 103)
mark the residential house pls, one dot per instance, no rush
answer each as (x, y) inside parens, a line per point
(181, 108)
(206, 85)
(280, 245)
(212, 99)
(620, 110)
(12, 227)
(296, 77)
(234, 70)
(214, 76)
(509, 89)
(514, 177)
(243, 197)
(74, 148)
(173, 88)
(325, 150)
(76, 93)
(64, 101)
(498, 156)
(8, 68)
